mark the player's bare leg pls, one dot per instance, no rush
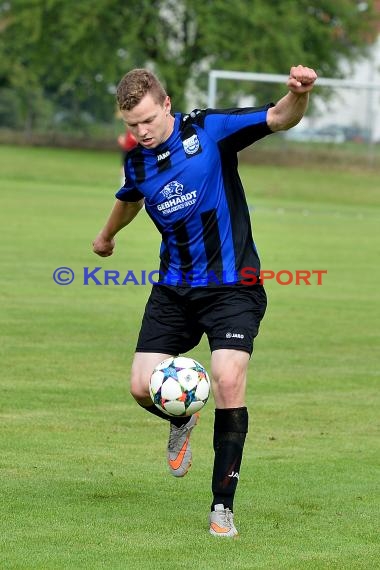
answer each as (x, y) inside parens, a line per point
(142, 367)
(229, 377)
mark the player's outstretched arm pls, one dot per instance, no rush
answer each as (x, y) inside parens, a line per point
(289, 110)
(122, 214)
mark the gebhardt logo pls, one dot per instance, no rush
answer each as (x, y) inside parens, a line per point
(174, 188)
(175, 199)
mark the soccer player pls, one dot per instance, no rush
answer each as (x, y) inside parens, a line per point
(185, 169)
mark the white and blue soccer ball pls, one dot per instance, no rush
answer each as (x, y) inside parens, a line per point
(179, 386)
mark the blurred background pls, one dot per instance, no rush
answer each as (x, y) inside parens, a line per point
(61, 62)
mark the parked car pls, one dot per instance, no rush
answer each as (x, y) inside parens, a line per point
(329, 134)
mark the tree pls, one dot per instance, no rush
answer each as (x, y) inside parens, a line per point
(270, 36)
(70, 54)
(67, 49)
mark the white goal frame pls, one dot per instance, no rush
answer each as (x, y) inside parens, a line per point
(217, 74)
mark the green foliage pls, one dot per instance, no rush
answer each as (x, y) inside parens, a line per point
(73, 53)
(271, 36)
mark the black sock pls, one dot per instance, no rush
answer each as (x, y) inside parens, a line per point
(230, 429)
(178, 422)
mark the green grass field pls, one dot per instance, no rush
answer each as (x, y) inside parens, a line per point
(84, 482)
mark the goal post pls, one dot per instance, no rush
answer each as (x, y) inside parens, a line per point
(369, 120)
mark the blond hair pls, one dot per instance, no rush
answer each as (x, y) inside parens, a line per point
(135, 85)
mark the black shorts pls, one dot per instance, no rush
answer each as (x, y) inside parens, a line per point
(175, 318)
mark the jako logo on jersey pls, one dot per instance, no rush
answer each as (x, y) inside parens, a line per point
(191, 145)
(163, 155)
(234, 335)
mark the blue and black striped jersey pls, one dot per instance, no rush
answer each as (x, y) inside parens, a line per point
(195, 197)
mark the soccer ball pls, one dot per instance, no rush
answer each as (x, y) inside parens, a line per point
(179, 386)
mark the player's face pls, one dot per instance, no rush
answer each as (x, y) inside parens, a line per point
(150, 122)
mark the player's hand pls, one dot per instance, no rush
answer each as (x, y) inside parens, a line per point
(103, 246)
(301, 79)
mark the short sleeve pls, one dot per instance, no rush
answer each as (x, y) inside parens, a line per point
(237, 128)
(129, 193)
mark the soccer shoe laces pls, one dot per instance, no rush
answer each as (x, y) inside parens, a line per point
(175, 432)
(173, 435)
(227, 518)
